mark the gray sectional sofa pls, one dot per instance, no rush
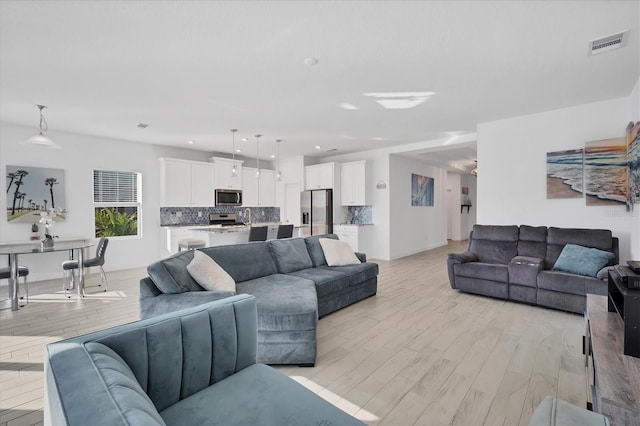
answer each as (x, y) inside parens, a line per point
(290, 280)
(191, 367)
(515, 263)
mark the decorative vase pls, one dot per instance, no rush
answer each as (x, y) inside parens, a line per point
(47, 242)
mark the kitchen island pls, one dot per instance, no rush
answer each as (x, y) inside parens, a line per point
(212, 235)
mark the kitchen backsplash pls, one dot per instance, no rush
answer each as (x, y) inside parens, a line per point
(359, 215)
(169, 215)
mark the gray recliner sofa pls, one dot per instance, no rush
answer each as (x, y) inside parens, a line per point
(190, 367)
(290, 279)
(515, 263)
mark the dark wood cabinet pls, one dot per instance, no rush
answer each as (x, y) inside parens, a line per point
(626, 303)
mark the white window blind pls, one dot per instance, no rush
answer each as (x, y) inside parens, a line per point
(115, 187)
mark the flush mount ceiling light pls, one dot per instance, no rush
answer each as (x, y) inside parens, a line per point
(347, 106)
(234, 169)
(278, 172)
(41, 139)
(310, 61)
(318, 147)
(400, 100)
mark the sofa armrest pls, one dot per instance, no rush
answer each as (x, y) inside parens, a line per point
(455, 258)
(166, 303)
(361, 257)
(524, 270)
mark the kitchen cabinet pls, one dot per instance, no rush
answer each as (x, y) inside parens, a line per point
(186, 183)
(223, 169)
(258, 193)
(354, 189)
(321, 176)
(358, 236)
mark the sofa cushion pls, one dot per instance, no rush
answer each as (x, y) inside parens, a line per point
(290, 255)
(315, 250)
(557, 238)
(582, 260)
(566, 282)
(532, 241)
(208, 274)
(170, 275)
(338, 253)
(134, 404)
(357, 273)
(244, 261)
(482, 271)
(284, 302)
(327, 280)
(257, 395)
(494, 243)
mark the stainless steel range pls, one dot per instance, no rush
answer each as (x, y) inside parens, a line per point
(224, 219)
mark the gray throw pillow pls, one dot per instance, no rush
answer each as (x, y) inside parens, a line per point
(290, 255)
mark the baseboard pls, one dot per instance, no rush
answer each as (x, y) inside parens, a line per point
(419, 250)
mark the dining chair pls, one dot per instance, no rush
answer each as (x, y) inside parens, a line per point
(23, 271)
(285, 231)
(70, 265)
(258, 233)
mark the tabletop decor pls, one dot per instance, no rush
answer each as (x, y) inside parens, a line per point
(46, 218)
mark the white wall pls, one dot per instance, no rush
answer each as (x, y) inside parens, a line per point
(414, 229)
(292, 169)
(452, 199)
(512, 169)
(81, 154)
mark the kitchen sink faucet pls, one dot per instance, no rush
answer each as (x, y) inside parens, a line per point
(247, 213)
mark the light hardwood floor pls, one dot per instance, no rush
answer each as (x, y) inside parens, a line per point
(416, 353)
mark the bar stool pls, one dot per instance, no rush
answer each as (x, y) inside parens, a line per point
(258, 233)
(23, 271)
(189, 244)
(285, 231)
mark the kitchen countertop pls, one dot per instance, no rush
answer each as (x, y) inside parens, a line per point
(352, 224)
(219, 229)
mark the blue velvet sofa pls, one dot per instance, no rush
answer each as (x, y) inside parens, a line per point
(516, 263)
(290, 279)
(191, 367)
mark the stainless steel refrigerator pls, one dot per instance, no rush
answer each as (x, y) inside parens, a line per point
(317, 212)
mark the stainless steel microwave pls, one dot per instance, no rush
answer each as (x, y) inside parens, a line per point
(228, 197)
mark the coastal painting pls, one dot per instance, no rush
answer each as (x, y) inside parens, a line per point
(633, 157)
(565, 174)
(421, 190)
(31, 190)
(606, 172)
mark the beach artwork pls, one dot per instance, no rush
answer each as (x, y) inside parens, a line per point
(606, 172)
(31, 190)
(565, 174)
(421, 190)
(633, 158)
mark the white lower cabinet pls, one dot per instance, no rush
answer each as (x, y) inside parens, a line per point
(358, 236)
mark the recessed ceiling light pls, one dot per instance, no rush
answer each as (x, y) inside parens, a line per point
(238, 150)
(348, 106)
(400, 100)
(272, 156)
(318, 147)
(378, 139)
(142, 125)
(191, 142)
(310, 61)
(245, 139)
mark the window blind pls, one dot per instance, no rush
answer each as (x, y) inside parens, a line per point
(115, 187)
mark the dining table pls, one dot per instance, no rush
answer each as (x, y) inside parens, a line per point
(75, 246)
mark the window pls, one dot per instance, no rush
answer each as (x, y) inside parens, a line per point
(117, 203)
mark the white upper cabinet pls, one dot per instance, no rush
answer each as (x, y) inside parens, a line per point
(354, 178)
(258, 193)
(223, 173)
(186, 183)
(320, 176)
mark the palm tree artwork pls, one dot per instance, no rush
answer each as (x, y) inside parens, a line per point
(20, 174)
(50, 182)
(11, 176)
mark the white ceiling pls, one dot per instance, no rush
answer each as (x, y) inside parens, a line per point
(193, 70)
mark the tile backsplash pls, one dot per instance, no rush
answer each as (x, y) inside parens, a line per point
(190, 215)
(360, 215)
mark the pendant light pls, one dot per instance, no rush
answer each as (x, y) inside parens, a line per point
(234, 169)
(41, 139)
(278, 172)
(258, 157)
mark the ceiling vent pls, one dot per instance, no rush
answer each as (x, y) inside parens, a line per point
(608, 43)
(142, 125)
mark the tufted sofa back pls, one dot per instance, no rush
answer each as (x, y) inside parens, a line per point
(494, 243)
(557, 238)
(150, 364)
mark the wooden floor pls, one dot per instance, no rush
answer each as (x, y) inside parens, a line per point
(416, 353)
